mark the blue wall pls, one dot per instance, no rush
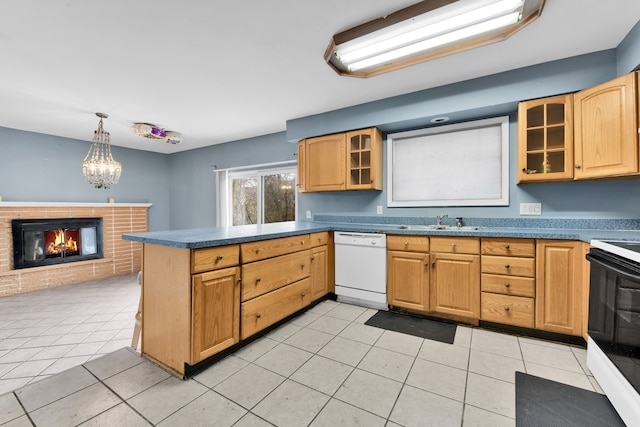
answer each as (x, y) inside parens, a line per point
(36, 167)
(181, 186)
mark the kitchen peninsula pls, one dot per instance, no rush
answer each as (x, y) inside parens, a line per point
(207, 291)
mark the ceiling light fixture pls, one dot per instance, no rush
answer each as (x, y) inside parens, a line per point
(151, 131)
(98, 167)
(424, 31)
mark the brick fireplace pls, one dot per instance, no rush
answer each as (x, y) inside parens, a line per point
(119, 256)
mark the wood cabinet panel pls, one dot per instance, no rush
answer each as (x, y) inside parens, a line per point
(509, 247)
(264, 276)
(408, 280)
(215, 319)
(269, 308)
(455, 245)
(319, 239)
(325, 163)
(559, 286)
(514, 266)
(511, 310)
(206, 259)
(606, 129)
(455, 284)
(319, 272)
(263, 249)
(408, 243)
(509, 285)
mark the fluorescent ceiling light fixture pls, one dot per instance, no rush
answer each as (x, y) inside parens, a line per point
(426, 30)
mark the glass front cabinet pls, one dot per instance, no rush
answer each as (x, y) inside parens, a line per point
(545, 139)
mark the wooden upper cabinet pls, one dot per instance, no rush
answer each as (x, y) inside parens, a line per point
(545, 139)
(364, 159)
(341, 161)
(324, 163)
(606, 129)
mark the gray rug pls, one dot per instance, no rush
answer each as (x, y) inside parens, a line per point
(414, 325)
(545, 403)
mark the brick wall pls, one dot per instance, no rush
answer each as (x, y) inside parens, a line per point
(120, 256)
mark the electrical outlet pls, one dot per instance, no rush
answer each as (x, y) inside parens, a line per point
(308, 214)
(379, 210)
(530, 208)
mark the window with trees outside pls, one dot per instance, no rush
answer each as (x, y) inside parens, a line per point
(259, 196)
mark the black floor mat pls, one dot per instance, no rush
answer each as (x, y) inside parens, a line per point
(413, 325)
(541, 402)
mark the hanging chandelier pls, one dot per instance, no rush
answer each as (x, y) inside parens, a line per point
(98, 167)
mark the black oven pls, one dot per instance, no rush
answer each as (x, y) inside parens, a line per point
(614, 310)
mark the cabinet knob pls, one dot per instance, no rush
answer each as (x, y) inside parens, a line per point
(302, 242)
(257, 251)
(258, 316)
(303, 295)
(506, 309)
(433, 264)
(219, 258)
(507, 247)
(313, 258)
(426, 264)
(578, 166)
(453, 245)
(507, 285)
(258, 279)
(524, 169)
(507, 266)
(406, 243)
(301, 266)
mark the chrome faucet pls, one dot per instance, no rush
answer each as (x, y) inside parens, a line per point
(459, 222)
(440, 218)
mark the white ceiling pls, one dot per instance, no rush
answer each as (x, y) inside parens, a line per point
(223, 70)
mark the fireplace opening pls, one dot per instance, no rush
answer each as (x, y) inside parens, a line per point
(38, 242)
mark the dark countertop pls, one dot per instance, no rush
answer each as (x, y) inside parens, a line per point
(218, 236)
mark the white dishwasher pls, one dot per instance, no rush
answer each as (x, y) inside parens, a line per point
(361, 269)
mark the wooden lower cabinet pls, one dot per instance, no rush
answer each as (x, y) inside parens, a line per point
(408, 280)
(455, 285)
(559, 286)
(507, 309)
(215, 315)
(319, 271)
(268, 309)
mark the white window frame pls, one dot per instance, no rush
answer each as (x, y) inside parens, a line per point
(451, 187)
(224, 178)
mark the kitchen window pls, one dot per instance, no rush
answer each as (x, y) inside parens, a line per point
(256, 195)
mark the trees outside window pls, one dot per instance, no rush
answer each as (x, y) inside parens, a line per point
(261, 197)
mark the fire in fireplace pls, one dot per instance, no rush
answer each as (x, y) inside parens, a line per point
(38, 242)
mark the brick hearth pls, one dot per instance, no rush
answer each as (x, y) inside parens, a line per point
(120, 256)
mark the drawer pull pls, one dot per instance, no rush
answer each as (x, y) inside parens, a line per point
(313, 258)
(303, 295)
(302, 266)
(406, 243)
(258, 316)
(433, 264)
(507, 266)
(257, 251)
(507, 285)
(302, 242)
(258, 279)
(219, 258)
(577, 166)
(453, 245)
(507, 247)
(506, 309)
(426, 264)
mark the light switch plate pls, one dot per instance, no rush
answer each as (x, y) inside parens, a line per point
(308, 214)
(530, 208)
(379, 210)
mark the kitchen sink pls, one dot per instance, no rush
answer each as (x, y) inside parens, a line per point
(439, 227)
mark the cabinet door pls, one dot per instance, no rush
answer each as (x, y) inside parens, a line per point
(408, 280)
(455, 284)
(364, 159)
(319, 271)
(215, 312)
(325, 163)
(301, 167)
(559, 286)
(545, 139)
(606, 132)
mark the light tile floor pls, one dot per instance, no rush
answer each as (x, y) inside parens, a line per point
(323, 368)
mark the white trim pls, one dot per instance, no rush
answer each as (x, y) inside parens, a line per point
(72, 204)
(258, 166)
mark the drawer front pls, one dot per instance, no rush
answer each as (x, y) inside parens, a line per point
(509, 285)
(264, 276)
(268, 309)
(264, 249)
(510, 310)
(207, 259)
(319, 239)
(408, 243)
(455, 245)
(509, 266)
(509, 247)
